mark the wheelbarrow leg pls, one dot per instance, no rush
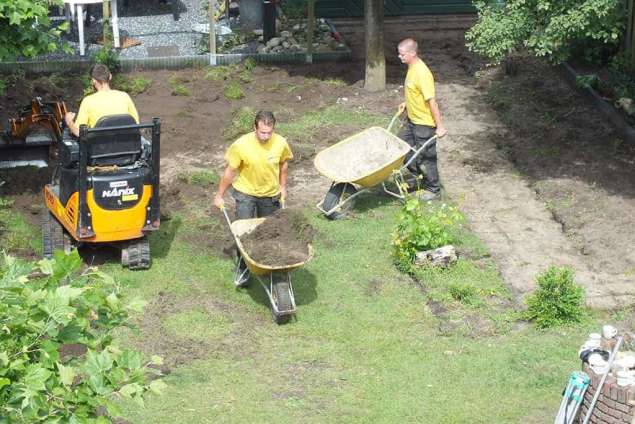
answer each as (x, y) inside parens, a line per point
(282, 298)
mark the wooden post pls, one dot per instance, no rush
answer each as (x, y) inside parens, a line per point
(212, 33)
(310, 30)
(106, 23)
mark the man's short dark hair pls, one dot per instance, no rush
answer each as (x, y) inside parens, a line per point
(266, 117)
(100, 73)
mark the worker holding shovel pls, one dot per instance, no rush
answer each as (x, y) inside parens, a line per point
(257, 167)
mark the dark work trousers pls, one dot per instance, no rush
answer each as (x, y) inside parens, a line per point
(253, 207)
(426, 163)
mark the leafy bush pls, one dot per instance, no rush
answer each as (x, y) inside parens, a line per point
(25, 29)
(587, 81)
(3, 87)
(107, 56)
(557, 301)
(233, 91)
(549, 28)
(622, 76)
(57, 360)
(422, 227)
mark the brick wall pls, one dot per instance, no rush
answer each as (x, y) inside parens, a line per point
(616, 404)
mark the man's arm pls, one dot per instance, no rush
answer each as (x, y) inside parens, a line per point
(228, 177)
(436, 115)
(284, 171)
(69, 118)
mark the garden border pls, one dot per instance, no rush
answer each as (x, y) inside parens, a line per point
(175, 62)
(625, 130)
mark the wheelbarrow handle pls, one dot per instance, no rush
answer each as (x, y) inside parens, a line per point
(393, 120)
(417, 152)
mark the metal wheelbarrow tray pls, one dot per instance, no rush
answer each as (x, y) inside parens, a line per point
(279, 290)
(365, 159)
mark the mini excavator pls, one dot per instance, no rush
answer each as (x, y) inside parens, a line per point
(104, 186)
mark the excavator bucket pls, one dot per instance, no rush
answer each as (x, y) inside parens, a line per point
(32, 138)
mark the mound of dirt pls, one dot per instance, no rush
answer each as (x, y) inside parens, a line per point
(281, 239)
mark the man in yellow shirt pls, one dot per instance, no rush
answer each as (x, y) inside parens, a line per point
(257, 166)
(104, 102)
(423, 117)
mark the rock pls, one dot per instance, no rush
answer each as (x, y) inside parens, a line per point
(261, 38)
(296, 27)
(442, 257)
(258, 31)
(626, 104)
(285, 34)
(275, 41)
(286, 44)
(261, 49)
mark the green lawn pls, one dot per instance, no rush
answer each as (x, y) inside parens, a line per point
(365, 347)
(370, 344)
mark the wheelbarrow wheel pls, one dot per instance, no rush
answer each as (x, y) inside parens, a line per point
(338, 193)
(281, 293)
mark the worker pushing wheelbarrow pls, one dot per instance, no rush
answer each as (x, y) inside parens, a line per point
(275, 278)
(362, 161)
(256, 171)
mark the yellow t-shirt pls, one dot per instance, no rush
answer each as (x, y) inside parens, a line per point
(105, 103)
(419, 89)
(258, 164)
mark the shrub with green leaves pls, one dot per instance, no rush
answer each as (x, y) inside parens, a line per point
(587, 81)
(57, 360)
(549, 28)
(557, 301)
(422, 226)
(26, 30)
(107, 56)
(233, 91)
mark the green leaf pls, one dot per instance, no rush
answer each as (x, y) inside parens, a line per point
(67, 374)
(157, 387)
(4, 382)
(35, 377)
(136, 305)
(156, 360)
(130, 390)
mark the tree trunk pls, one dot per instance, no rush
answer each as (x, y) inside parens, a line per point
(250, 14)
(375, 61)
(106, 24)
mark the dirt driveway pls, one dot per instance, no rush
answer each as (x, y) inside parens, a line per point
(541, 178)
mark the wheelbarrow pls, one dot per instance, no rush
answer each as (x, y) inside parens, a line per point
(276, 279)
(362, 161)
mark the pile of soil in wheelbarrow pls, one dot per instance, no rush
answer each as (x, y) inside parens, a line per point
(282, 239)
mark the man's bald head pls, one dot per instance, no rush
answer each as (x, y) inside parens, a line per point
(407, 50)
(409, 45)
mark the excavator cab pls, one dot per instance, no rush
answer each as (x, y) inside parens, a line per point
(105, 189)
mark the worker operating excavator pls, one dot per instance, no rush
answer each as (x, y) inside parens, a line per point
(104, 102)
